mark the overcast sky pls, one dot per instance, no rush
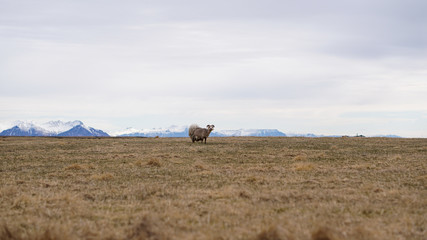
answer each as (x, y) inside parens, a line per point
(324, 67)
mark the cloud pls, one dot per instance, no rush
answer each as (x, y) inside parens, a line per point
(231, 61)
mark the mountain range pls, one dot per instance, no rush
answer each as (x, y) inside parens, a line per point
(53, 129)
(176, 131)
(79, 129)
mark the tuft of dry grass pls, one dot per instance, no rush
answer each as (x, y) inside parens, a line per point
(154, 163)
(51, 232)
(326, 233)
(74, 167)
(300, 157)
(200, 165)
(275, 233)
(102, 177)
(231, 188)
(304, 166)
(396, 157)
(149, 229)
(77, 166)
(138, 163)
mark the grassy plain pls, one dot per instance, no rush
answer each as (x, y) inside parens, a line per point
(230, 188)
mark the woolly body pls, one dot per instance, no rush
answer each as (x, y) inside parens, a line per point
(197, 133)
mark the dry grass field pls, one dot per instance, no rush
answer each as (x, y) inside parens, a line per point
(230, 188)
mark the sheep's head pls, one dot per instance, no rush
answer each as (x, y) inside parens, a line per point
(210, 127)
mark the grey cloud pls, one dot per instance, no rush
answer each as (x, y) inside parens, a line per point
(297, 54)
(359, 28)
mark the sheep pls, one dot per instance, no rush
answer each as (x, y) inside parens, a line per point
(197, 133)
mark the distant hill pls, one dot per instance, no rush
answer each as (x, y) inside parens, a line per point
(388, 136)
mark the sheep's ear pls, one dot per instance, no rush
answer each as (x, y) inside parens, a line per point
(208, 126)
(213, 126)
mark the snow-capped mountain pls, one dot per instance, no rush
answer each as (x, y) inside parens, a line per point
(249, 132)
(172, 131)
(79, 129)
(182, 131)
(153, 132)
(388, 136)
(22, 128)
(52, 128)
(309, 135)
(83, 131)
(60, 126)
(17, 131)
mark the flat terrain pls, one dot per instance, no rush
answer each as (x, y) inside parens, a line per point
(230, 188)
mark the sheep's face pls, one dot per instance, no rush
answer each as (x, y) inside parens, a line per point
(210, 127)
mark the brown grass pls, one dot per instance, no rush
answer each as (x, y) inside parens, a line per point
(304, 166)
(77, 166)
(230, 188)
(102, 177)
(154, 163)
(300, 157)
